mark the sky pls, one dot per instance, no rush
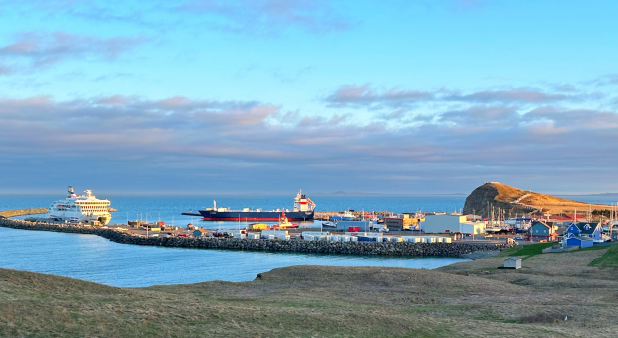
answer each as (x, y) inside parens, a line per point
(272, 96)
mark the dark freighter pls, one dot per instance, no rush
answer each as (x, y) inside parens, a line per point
(302, 211)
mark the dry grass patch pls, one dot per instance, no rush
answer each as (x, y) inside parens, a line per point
(470, 298)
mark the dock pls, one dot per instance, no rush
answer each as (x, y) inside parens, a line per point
(326, 215)
(189, 213)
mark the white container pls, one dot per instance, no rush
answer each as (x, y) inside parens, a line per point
(416, 239)
(372, 234)
(396, 239)
(271, 236)
(345, 238)
(448, 240)
(429, 239)
(253, 236)
(274, 232)
(315, 233)
(308, 237)
(353, 239)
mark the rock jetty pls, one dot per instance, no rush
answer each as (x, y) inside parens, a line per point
(23, 212)
(316, 247)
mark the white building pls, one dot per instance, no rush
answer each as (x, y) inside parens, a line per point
(451, 223)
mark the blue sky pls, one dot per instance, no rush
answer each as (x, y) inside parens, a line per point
(272, 95)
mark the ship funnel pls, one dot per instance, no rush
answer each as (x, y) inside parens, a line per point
(71, 192)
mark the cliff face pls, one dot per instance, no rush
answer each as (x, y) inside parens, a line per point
(519, 202)
(496, 195)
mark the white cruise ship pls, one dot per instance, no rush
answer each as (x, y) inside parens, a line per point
(86, 209)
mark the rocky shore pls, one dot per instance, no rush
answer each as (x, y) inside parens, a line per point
(316, 247)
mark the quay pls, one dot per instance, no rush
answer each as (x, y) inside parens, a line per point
(191, 214)
(123, 236)
(22, 212)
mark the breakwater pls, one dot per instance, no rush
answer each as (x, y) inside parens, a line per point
(298, 246)
(23, 212)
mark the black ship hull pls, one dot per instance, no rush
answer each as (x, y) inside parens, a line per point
(213, 215)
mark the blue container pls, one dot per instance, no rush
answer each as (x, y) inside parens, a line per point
(366, 239)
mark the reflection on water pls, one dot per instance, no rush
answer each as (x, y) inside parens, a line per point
(97, 259)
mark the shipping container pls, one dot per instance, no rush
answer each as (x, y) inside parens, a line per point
(265, 233)
(315, 233)
(366, 239)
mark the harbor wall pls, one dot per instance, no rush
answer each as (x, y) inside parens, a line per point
(23, 212)
(316, 247)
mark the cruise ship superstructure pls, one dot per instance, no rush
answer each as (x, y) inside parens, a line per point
(86, 209)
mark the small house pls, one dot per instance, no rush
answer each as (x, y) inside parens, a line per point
(542, 231)
(199, 232)
(590, 229)
(512, 263)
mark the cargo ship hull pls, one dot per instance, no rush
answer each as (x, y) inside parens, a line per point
(213, 215)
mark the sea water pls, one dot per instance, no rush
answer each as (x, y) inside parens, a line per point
(96, 259)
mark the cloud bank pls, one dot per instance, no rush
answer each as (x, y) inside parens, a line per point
(218, 143)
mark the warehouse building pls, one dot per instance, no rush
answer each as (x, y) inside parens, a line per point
(400, 224)
(451, 223)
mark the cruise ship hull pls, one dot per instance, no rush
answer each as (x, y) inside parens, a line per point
(213, 215)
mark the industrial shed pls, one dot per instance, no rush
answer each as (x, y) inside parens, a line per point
(344, 225)
(451, 223)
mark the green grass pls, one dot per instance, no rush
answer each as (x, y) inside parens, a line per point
(593, 248)
(528, 250)
(609, 259)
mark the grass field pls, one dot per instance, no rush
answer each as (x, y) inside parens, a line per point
(471, 298)
(609, 259)
(526, 251)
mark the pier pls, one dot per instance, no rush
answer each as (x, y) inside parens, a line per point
(191, 214)
(407, 249)
(23, 212)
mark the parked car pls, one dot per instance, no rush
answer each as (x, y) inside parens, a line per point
(519, 238)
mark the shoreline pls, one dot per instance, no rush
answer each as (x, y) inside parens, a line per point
(398, 249)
